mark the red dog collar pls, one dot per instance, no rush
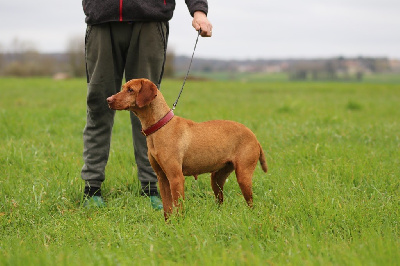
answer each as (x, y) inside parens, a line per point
(162, 122)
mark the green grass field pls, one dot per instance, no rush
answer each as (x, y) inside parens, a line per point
(331, 196)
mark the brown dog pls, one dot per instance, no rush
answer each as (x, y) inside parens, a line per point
(179, 147)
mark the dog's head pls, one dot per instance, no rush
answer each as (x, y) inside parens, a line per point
(136, 93)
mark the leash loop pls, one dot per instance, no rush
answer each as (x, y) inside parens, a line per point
(187, 73)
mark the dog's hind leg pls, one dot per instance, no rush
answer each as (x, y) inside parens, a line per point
(218, 179)
(244, 174)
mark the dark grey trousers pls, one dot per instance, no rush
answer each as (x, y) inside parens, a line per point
(113, 49)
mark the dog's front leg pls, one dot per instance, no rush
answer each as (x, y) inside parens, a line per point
(177, 184)
(165, 194)
(164, 186)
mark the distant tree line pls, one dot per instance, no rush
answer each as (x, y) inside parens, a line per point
(337, 68)
(22, 59)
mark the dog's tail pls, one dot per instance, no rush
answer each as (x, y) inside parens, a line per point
(262, 159)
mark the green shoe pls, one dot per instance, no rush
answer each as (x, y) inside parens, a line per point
(94, 202)
(156, 202)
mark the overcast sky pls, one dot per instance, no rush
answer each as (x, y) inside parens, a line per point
(242, 29)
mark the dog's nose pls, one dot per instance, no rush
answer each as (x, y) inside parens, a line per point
(110, 99)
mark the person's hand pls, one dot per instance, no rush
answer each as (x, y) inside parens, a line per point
(200, 21)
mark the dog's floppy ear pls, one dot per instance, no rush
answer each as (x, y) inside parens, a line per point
(146, 94)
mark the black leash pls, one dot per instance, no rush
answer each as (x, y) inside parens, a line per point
(187, 73)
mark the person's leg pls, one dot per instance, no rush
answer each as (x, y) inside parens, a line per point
(104, 66)
(146, 58)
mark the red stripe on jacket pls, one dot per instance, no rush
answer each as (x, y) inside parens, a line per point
(120, 10)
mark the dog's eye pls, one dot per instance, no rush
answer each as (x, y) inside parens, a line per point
(130, 90)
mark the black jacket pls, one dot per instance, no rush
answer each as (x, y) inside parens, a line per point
(100, 11)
